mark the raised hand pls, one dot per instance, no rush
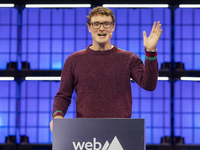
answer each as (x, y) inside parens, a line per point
(151, 41)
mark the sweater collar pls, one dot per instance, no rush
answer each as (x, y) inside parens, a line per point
(105, 52)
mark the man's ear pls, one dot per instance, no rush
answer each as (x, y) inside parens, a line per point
(113, 28)
(89, 28)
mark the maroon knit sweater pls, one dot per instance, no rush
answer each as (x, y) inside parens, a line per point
(101, 80)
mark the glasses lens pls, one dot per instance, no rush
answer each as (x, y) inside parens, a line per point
(106, 24)
(96, 25)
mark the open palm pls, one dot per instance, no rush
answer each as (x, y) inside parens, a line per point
(151, 41)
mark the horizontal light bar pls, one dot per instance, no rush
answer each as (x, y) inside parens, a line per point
(159, 78)
(7, 78)
(163, 78)
(7, 5)
(136, 5)
(56, 5)
(43, 78)
(189, 5)
(190, 78)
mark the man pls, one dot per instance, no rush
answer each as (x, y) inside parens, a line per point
(100, 74)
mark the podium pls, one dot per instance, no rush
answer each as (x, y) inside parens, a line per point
(98, 134)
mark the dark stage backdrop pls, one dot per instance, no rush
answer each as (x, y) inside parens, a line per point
(49, 36)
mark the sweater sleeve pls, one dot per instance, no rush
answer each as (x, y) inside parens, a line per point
(146, 76)
(62, 99)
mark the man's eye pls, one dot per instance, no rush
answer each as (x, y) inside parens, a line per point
(106, 23)
(96, 23)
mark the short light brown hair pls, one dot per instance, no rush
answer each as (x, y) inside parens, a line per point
(100, 11)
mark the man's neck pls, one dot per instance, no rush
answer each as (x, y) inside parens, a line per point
(102, 47)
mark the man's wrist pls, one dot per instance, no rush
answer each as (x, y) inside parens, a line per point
(154, 50)
(58, 116)
(151, 55)
(58, 113)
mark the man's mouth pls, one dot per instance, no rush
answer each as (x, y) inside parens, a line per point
(102, 35)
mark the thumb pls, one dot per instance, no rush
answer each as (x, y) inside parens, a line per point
(144, 36)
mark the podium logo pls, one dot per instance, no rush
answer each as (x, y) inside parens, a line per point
(114, 145)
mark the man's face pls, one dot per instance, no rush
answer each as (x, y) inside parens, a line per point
(101, 35)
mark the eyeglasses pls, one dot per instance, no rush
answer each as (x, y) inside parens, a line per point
(97, 25)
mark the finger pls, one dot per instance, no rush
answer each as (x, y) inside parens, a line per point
(158, 27)
(51, 126)
(159, 33)
(153, 28)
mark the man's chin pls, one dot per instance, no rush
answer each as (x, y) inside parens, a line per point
(102, 41)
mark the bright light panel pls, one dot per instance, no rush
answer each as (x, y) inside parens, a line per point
(159, 78)
(56, 5)
(190, 78)
(7, 5)
(43, 78)
(7, 78)
(163, 78)
(136, 5)
(189, 5)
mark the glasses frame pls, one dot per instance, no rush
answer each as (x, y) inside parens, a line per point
(111, 23)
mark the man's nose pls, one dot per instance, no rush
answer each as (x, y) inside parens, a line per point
(101, 27)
